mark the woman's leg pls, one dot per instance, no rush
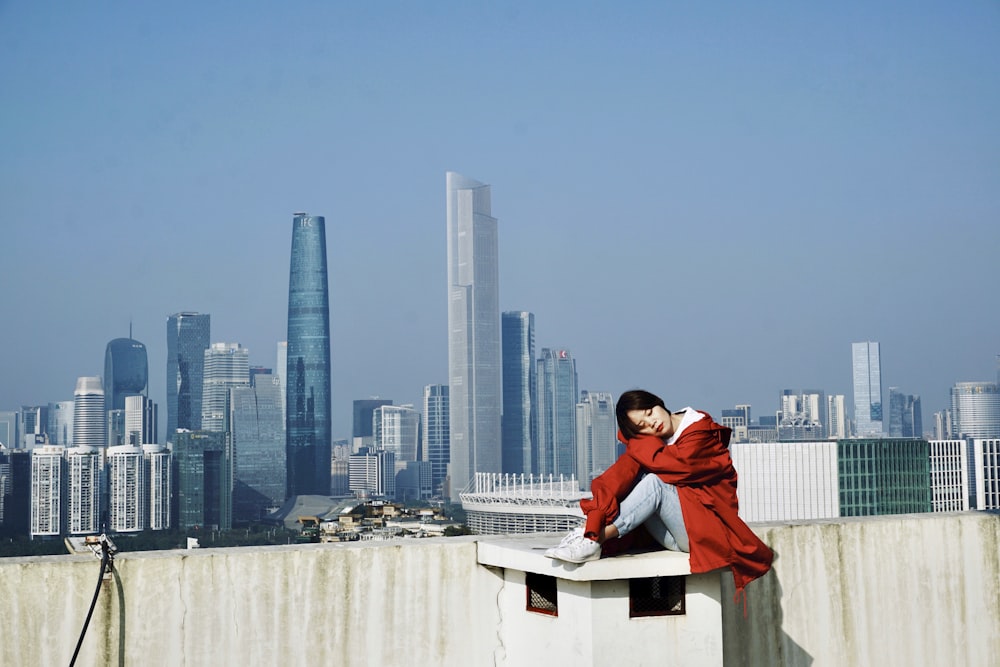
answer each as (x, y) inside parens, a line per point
(655, 504)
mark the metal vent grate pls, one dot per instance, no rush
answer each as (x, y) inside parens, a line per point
(541, 593)
(656, 596)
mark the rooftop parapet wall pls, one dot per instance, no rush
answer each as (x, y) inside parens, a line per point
(898, 590)
(911, 589)
(413, 602)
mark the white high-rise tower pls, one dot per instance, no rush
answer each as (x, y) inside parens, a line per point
(474, 368)
(89, 425)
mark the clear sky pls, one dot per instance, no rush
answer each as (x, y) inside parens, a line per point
(708, 200)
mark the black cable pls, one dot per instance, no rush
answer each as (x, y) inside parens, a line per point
(105, 560)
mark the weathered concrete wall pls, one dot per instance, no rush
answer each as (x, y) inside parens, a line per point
(413, 602)
(904, 590)
(885, 591)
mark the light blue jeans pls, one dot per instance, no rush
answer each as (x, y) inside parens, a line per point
(654, 504)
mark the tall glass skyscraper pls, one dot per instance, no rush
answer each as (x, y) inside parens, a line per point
(905, 418)
(558, 393)
(975, 410)
(258, 433)
(596, 439)
(867, 389)
(126, 371)
(307, 386)
(436, 433)
(474, 374)
(520, 454)
(227, 365)
(187, 340)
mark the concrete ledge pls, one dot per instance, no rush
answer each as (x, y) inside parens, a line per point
(527, 553)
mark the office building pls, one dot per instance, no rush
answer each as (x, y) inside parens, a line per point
(32, 424)
(738, 419)
(15, 467)
(975, 410)
(126, 489)
(884, 476)
(396, 429)
(89, 426)
(787, 481)
(436, 433)
(558, 394)
(414, 481)
(836, 428)
(280, 368)
(126, 371)
(258, 435)
(140, 421)
(905, 420)
(308, 429)
(949, 476)
(519, 392)
(801, 415)
(85, 468)
(867, 374)
(362, 426)
(203, 480)
(187, 339)
(158, 473)
(9, 436)
(60, 429)
(48, 489)
(226, 365)
(986, 458)
(373, 474)
(474, 373)
(596, 435)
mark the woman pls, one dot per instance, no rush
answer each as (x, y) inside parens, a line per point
(676, 479)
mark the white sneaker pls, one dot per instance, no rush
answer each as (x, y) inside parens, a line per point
(580, 549)
(572, 536)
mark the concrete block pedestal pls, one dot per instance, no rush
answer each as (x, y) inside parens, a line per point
(593, 622)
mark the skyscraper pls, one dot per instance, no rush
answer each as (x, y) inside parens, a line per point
(975, 410)
(905, 419)
(158, 474)
(473, 331)
(557, 398)
(127, 493)
(364, 411)
(60, 428)
(596, 439)
(520, 454)
(187, 340)
(396, 429)
(203, 480)
(83, 507)
(867, 389)
(307, 386)
(227, 365)
(48, 489)
(140, 420)
(126, 371)
(436, 434)
(88, 413)
(258, 434)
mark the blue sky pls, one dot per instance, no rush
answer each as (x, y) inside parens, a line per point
(709, 201)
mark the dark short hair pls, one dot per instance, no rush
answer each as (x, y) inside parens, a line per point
(634, 399)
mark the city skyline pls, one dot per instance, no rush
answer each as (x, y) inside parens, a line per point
(786, 154)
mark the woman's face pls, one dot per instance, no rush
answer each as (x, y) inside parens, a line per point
(652, 421)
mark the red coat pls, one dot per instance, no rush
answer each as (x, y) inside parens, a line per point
(699, 465)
